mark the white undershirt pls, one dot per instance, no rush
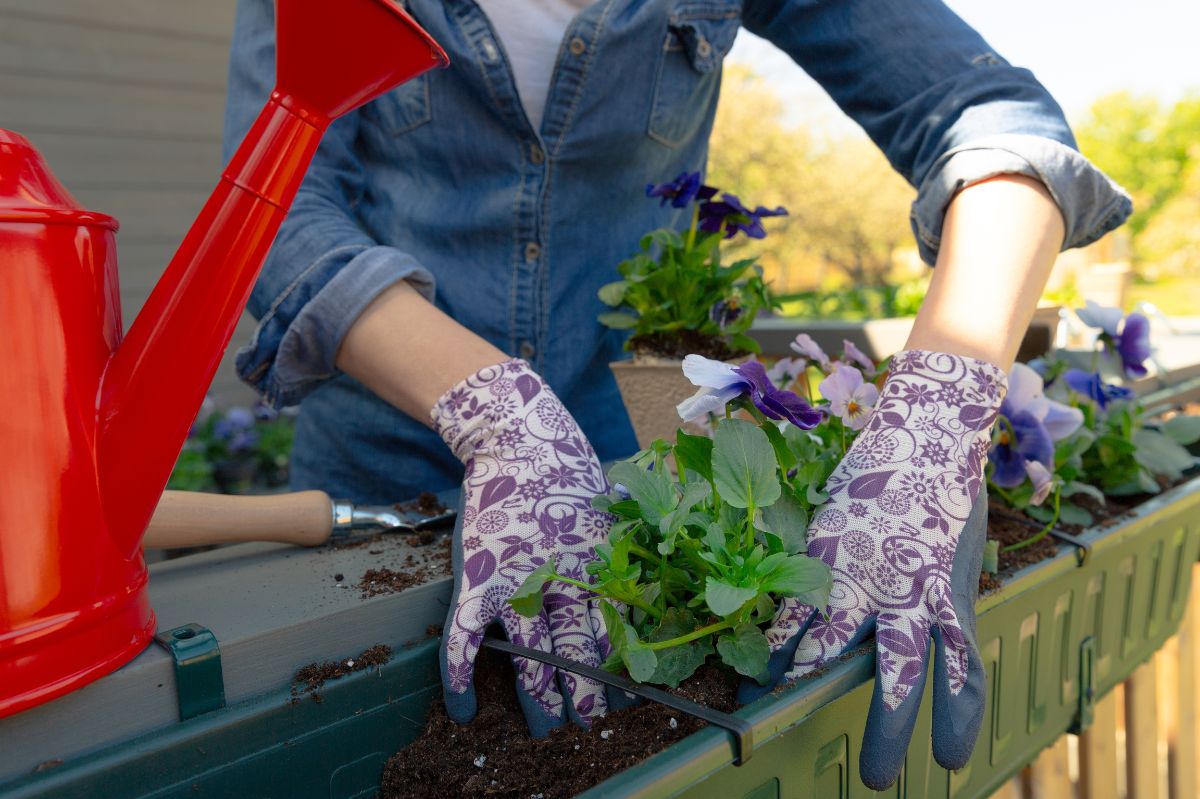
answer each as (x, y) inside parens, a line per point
(532, 31)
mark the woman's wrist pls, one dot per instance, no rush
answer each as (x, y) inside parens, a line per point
(999, 241)
(409, 352)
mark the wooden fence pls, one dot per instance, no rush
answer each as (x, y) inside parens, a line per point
(1142, 743)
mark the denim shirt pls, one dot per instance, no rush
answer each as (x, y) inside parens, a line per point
(510, 230)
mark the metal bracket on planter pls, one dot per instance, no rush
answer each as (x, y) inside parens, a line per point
(1087, 686)
(1083, 550)
(199, 684)
(742, 730)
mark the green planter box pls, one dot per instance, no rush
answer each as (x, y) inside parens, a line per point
(1058, 636)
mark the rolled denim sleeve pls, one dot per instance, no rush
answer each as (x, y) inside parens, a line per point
(945, 109)
(323, 268)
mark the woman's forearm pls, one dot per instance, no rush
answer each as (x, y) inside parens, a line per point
(999, 241)
(407, 351)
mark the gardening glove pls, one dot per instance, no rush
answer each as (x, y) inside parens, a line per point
(903, 531)
(530, 478)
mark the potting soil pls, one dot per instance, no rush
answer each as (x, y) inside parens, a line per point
(494, 756)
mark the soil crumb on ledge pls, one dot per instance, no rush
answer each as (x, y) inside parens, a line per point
(494, 756)
(429, 564)
(309, 679)
(426, 504)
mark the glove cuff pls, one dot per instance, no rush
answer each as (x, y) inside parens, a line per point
(472, 413)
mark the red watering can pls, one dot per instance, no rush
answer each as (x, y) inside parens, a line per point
(90, 425)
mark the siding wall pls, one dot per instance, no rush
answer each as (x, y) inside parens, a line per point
(125, 99)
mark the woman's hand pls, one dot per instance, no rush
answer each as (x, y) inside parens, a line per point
(531, 475)
(903, 533)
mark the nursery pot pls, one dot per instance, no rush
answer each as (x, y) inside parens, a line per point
(651, 388)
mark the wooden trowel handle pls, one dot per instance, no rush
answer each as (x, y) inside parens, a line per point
(189, 519)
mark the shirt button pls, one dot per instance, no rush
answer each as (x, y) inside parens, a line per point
(536, 153)
(527, 350)
(578, 46)
(532, 251)
(489, 50)
(703, 48)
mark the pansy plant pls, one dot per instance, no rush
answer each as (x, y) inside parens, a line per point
(710, 533)
(1067, 432)
(678, 284)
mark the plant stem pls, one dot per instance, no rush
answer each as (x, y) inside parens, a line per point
(692, 636)
(1045, 531)
(691, 237)
(662, 584)
(1004, 495)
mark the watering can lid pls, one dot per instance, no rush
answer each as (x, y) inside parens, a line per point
(29, 192)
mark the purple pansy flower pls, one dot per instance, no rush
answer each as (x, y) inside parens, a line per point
(1093, 314)
(1092, 386)
(804, 345)
(853, 353)
(236, 429)
(726, 311)
(681, 191)
(1042, 479)
(729, 214)
(722, 382)
(1133, 344)
(1030, 425)
(785, 371)
(849, 397)
(1128, 338)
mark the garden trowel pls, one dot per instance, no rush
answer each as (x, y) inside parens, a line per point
(305, 518)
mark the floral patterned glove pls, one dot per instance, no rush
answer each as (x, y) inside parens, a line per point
(907, 490)
(530, 478)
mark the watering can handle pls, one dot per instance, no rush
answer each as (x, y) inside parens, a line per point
(188, 518)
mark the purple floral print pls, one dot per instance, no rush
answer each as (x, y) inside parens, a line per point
(531, 475)
(917, 484)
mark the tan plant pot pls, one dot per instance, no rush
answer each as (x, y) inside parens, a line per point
(651, 389)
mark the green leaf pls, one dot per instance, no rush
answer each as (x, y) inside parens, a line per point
(602, 502)
(1075, 487)
(627, 509)
(653, 491)
(814, 495)
(723, 598)
(740, 341)
(677, 663)
(1183, 429)
(694, 453)
(746, 650)
(527, 599)
(991, 556)
(714, 539)
(744, 465)
(613, 294)
(674, 521)
(1073, 514)
(799, 576)
(1073, 445)
(618, 320)
(638, 659)
(782, 453)
(1161, 455)
(788, 520)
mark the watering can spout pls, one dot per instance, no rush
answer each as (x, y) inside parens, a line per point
(330, 59)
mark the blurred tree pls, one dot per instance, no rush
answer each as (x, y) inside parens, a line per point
(1170, 239)
(1144, 146)
(848, 210)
